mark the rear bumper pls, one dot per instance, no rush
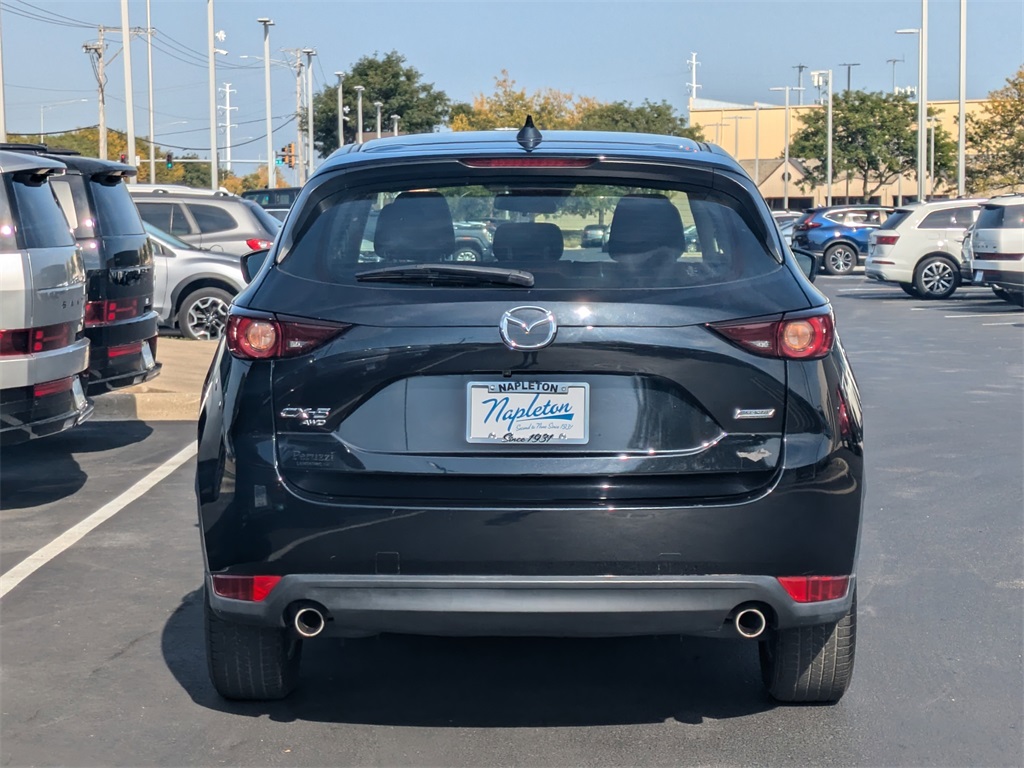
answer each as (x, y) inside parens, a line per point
(590, 606)
(1001, 278)
(24, 417)
(110, 366)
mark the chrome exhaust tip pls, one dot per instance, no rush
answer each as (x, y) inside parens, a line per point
(751, 623)
(308, 622)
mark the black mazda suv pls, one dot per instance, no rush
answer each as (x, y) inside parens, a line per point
(651, 439)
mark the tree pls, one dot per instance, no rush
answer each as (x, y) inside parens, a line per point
(995, 140)
(873, 138)
(508, 107)
(649, 117)
(420, 106)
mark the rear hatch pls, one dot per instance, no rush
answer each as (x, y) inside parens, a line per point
(882, 240)
(594, 380)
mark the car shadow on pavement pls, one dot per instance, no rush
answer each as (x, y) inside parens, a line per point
(491, 682)
(45, 470)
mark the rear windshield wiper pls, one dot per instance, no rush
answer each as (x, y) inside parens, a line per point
(448, 274)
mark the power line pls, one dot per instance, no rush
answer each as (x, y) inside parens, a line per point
(58, 15)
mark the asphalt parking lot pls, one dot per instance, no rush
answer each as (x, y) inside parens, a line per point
(103, 662)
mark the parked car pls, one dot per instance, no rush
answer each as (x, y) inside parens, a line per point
(997, 245)
(593, 235)
(119, 319)
(784, 217)
(553, 443)
(839, 234)
(275, 201)
(43, 351)
(919, 247)
(216, 221)
(194, 287)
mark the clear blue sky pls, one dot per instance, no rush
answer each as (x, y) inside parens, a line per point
(625, 50)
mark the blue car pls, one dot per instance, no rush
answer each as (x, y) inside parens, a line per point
(839, 234)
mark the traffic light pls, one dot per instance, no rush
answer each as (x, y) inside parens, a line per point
(169, 160)
(290, 156)
(124, 157)
(282, 156)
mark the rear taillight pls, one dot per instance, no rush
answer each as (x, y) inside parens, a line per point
(268, 337)
(53, 387)
(807, 225)
(110, 310)
(125, 349)
(24, 341)
(258, 244)
(253, 589)
(814, 589)
(809, 337)
(886, 239)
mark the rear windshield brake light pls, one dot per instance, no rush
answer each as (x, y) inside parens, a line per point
(529, 162)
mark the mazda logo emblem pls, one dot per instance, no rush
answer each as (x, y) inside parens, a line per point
(527, 328)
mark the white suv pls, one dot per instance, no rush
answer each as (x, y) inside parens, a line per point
(919, 247)
(997, 247)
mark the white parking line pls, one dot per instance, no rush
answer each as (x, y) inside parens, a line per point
(73, 535)
(1009, 323)
(987, 314)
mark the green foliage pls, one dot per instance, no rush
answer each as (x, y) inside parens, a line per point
(874, 139)
(995, 141)
(401, 88)
(650, 117)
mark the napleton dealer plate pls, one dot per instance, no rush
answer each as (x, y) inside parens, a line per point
(528, 412)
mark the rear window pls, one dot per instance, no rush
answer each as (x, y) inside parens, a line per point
(660, 237)
(70, 192)
(169, 217)
(268, 222)
(1001, 217)
(40, 222)
(937, 220)
(896, 218)
(115, 210)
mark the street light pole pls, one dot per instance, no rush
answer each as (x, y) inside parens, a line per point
(894, 62)
(785, 161)
(849, 69)
(359, 113)
(394, 124)
(341, 109)
(922, 110)
(44, 107)
(212, 53)
(923, 99)
(961, 155)
(310, 53)
(267, 24)
(378, 105)
(3, 108)
(149, 74)
(736, 134)
(757, 145)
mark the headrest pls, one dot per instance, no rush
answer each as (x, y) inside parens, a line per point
(645, 223)
(416, 226)
(528, 242)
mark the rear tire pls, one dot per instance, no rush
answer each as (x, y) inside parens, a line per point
(810, 664)
(910, 290)
(840, 259)
(204, 314)
(936, 277)
(250, 663)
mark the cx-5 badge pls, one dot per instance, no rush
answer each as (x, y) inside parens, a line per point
(527, 328)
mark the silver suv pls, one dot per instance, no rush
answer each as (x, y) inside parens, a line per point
(216, 221)
(43, 351)
(193, 287)
(997, 247)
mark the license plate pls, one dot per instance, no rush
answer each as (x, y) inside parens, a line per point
(78, 393)
(147, 356)
(979, 277)
(528, 412)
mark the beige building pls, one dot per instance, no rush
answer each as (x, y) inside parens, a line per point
(755, 135)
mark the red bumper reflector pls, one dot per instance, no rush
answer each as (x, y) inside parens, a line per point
(52, 387)
(814, 589)
(125, 349)
(250, 588)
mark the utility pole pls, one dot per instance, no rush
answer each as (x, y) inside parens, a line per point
(267, 24)
(126, 36)
(849, 70)
(212, 53)
(692, 86)
(818, 78)
(894, 62)
(757, 145)
(227, 124)
(98, 50)
(800, 82)
(300, 136)
(922, 103)
(961, 155)
(149, 73)
(310, 53)
(341, 109)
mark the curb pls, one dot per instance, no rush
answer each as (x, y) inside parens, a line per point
(149, 406)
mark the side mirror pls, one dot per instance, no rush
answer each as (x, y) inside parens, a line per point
(809, 262)
(252, 262)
